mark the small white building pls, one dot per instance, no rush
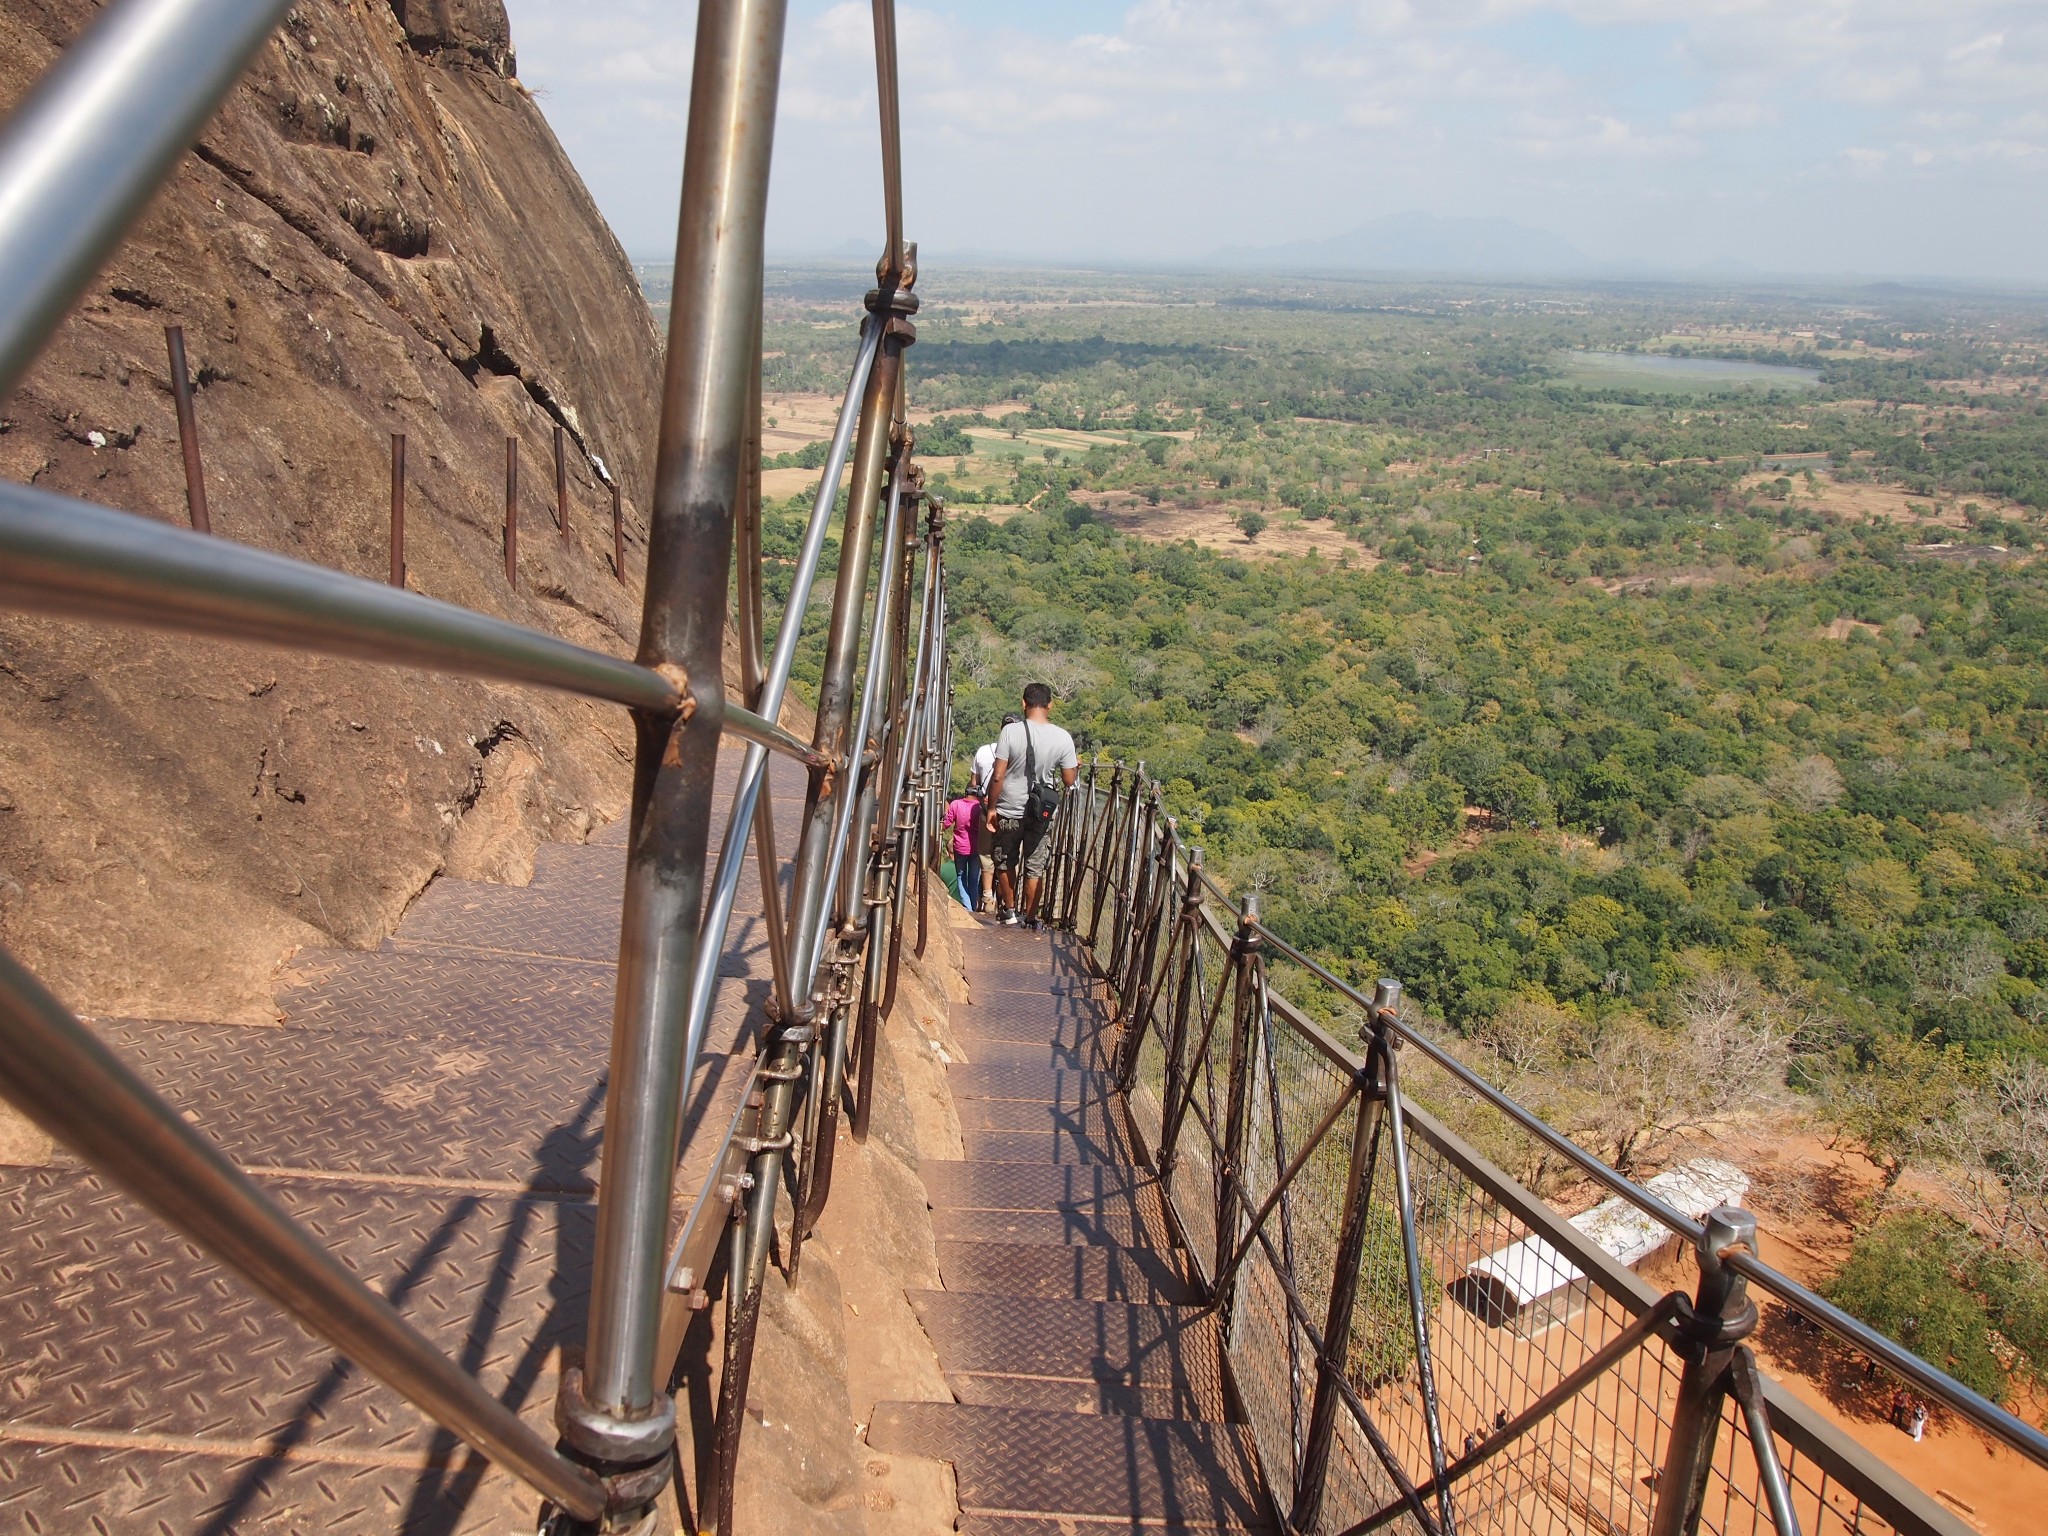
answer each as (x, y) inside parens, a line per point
(1530, 1286)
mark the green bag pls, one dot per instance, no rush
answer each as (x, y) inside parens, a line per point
(950, 875)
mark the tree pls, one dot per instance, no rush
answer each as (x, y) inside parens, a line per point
(1810, 784)
(1891, 1102)
(1995, 1148)
(1252, 522)
(1906, 1277)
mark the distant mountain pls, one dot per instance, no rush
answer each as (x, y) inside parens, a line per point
(1420, 242)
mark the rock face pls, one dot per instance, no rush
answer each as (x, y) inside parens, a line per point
(377, 234)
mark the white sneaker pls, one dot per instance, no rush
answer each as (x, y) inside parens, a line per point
(1011, 919)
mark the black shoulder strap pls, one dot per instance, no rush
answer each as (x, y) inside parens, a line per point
(1030, 760)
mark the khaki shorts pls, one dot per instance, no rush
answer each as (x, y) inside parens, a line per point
(1021, 847)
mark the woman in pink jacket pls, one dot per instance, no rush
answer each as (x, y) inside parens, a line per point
(961, 816)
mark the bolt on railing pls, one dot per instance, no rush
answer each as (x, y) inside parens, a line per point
(78, 160)
(1351, 1243)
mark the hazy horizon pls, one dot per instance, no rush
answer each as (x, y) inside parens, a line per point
(1800, 138)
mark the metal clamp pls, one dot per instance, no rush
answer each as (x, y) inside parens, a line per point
(608, 1439)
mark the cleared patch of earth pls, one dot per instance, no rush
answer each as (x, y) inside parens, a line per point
(1215, 527)
(1869, 502)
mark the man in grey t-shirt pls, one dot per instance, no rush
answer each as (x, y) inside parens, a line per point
(1022, 844)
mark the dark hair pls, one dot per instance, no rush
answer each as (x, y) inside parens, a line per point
(1011, 718)
(1037, 696)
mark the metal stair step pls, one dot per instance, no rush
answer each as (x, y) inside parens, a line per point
(1027, 1084)
(1120, 1229)
(1025, 1187)
(1091, 1055)
(1096, 1117)
(1100, 1145)
(1113, 1341)
(1178, 1473)
(1050, 1394)
(1100, 1272)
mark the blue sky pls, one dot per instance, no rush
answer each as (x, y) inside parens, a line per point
(1891, 137)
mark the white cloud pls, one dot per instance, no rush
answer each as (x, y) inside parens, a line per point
(1722, 115)
(1163, 128)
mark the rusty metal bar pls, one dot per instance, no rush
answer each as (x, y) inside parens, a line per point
(512, 513)
(1298, 1162)
(749, 605)
(561, 485)
(618, 536)
(1333, 1355)
(188, 431)
(398, 509)
(837, 697)
(57, 1072)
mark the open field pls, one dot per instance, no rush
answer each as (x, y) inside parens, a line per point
(1215, 527)
(1677, 375)
(1871, 501)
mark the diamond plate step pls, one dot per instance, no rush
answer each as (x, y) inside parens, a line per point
(1034, 1085)
(522, 1108)
(1016, 1461)
(1091, 1056)
(1178, 1348)
(110, 1322)
(1069, 1226)
(1079, 1273)
(1021, 1187)
(57, 1488)
(1016, 1016)
(1045, 1147)
(1051, 1394)
(1100, 1118)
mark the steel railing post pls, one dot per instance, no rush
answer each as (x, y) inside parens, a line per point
(846, 912)
(610, 1409)
(1175, 1089)
(1721, 1316)
(1124, 919)
(1411, 1254)
(1104, 852)
(188, 431)
(837, 694)
(1352, 1228)
(1149, 975)
(1077, 852)
(1244, 957)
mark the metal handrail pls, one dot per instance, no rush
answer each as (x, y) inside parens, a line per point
(78, 160)
(1098, 843)
(87, 148)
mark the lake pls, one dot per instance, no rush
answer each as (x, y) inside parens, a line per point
(1656, 370)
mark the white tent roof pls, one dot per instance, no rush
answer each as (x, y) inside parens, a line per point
(1532, 1269)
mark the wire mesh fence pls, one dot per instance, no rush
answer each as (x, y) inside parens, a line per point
(1418, 1341)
